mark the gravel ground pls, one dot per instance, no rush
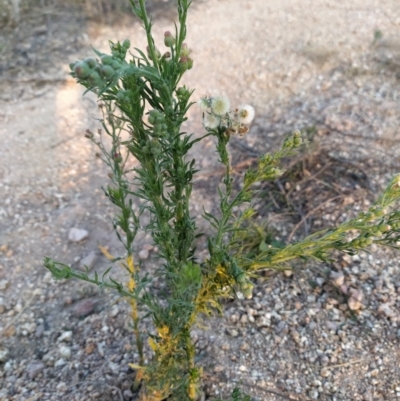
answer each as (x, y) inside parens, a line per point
(325, 332)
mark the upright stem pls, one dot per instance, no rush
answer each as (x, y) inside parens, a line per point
(147, 26)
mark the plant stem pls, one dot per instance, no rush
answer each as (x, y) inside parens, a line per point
(147, 27)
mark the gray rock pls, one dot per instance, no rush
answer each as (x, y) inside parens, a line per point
(39, 330)
(232, 332)
(337, 278)
(386, 310)
(3, 284)
(144, 254)
(115, 367)
(77, 234)
(8, 366)
(114, 311)
(34, 369)
(84, 307)
(89, 261)
(65, 351)
(4, 353)
(355, 300)
(128, 394)
(60, 362)
(65, 336)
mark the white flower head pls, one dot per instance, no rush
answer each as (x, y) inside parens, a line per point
(220, 105)
(211, 121)
(204, 103)
(246, 114)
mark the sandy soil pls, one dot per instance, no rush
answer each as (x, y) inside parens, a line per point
(300, 63)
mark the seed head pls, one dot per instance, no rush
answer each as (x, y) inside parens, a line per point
(211, 121)
(220, 105)
(243, 130)
(204, 103)
(246, 114)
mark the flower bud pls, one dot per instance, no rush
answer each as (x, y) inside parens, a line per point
(183, 61)
(107, 71)
(247, 290)
(155, 147)
(89, 134)
(126, 44)
(117, 157)
(182, 92)
(106, 59)
(95, 79)
(91, 62)
(384, 227)
(116, 65)
(297, 141)
(185, 51)
(157, 52)
(154, 113)
(82, 70)
(166, 55)
(169, 40)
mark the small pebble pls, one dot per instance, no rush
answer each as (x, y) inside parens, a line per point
(77, 234)
(232, 332)
(128, 394)
(90, 348)
(3, 284)
(355, 299)
(144, 254)
(65, 336)
(84, 307)
(88, 261)
(65, 351)
(4, 353)
(386, 310)
(114, 311)
(39, 330)
(34, 369)
(337, 278)
(60, 362)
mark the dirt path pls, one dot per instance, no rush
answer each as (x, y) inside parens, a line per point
(300, 63)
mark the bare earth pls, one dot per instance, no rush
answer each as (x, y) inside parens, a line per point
(301, 64)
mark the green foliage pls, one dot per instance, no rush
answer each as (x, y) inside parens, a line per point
(378, 34)
(238, 395)
(143, 109)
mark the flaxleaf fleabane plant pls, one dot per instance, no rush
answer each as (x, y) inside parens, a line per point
(143, 109)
